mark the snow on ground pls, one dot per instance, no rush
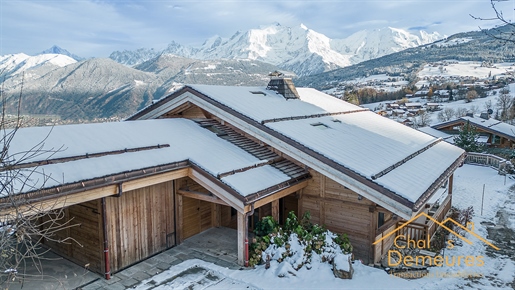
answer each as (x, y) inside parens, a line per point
(456, 41)
(497, 272)
(465, 68)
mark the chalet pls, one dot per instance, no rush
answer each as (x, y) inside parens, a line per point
(398, 112)
(437, 134)
(392, 106)
(421, 93)
(219, 156)
(433, 107)
(413, 106)
(493, 133)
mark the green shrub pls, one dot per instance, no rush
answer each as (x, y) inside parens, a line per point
(311, 237)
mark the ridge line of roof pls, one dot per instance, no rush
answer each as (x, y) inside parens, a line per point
(291, 118)
(250, 167)
(405, 159)
(82, 156)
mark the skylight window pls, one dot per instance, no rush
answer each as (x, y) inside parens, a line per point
(258, 93)
(320, 126)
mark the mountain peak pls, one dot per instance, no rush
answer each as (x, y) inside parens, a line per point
(303, 26)
(58, 50)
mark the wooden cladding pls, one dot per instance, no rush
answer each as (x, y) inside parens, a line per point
(342, 211)
(196, 215)
(140, 223)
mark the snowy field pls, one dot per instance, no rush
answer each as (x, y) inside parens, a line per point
(465, 69)
(498, 271)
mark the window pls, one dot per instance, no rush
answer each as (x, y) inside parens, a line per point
(380, 219)
(319, 125)
(258, 93)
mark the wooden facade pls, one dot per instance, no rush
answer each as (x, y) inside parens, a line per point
(342, 211)
(140, 223)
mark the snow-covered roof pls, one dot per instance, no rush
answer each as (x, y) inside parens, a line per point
(491, 125)
(351, 140)
(170, 140)
(437, 134)
(494, 125)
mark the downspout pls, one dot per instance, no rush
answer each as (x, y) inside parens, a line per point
(174, 189)
(106, 241)
(247, 215)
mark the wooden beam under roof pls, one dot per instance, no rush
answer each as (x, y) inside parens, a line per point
(278, 195)
(201, 196)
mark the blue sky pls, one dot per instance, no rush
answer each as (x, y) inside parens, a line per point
(95, 28)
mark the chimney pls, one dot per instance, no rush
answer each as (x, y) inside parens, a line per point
(282, 85)
(484, 115)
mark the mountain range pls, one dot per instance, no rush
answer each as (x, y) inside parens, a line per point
(467, 46)
(297, 49)
(62, 84)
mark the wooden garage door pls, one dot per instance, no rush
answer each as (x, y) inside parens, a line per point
(140, 223)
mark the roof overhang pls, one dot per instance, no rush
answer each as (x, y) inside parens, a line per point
(115, 185)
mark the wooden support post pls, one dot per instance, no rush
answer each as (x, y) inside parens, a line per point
(451, 178)
(321, 201)
(372, 234)
(275, 209)
(242, 227)
(179, 230)
(216, 215)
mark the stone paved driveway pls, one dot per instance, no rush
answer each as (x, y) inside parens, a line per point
(216, 245)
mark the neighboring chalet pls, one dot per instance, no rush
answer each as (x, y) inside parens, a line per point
(219, 156)
(437, 134)
(494, 132)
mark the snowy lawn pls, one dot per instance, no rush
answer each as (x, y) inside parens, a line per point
(497, 272)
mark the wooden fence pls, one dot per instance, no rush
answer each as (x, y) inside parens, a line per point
(493, 161)
(411, 231)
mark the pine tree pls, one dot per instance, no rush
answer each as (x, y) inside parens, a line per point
(467, 138)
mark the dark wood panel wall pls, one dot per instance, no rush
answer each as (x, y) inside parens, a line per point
(342, 211)
(83, 238)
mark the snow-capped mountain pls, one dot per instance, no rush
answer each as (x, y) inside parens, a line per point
(299, 49)
(14, 64)
(370, 44)
(58, 50)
